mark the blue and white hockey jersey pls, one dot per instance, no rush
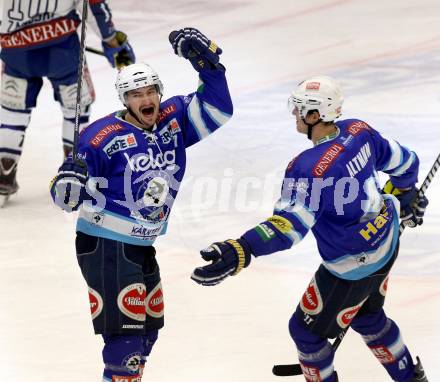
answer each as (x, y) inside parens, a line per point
(135, 173)
(30, 24)
(332, 189)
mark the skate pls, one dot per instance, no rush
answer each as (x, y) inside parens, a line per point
(419, 373)
(8, 182)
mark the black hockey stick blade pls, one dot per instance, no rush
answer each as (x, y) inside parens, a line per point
(287, 370)
(93, 50)
(295, 368)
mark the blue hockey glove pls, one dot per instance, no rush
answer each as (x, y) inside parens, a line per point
(122, 55)
(412, 208)
(68, 187)
(193, 45)
(228, 258)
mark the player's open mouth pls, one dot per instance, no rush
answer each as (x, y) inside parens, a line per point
(147, 111)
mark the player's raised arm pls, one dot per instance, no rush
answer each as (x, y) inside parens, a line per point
(210, 106)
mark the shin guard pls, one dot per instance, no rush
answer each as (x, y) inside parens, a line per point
(382, 336)
(122, 358)
(315, 353)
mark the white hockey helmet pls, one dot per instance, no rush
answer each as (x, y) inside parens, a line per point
(136, 76)
(320, 93)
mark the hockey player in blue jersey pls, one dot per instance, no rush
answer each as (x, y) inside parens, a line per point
(39, 39)
(332, 190)
(134, 161)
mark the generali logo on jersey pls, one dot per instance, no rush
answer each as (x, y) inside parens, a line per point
(356, 127)
(166, 112)
(39, 33)
(100, 136)
(327, 159)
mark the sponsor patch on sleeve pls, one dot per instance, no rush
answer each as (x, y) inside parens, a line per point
(281, 224)
(265, 232)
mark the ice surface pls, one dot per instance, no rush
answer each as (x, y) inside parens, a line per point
(386, 55)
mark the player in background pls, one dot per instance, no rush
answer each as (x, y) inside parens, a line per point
(39, 39)
(332, 190)
(135, 160)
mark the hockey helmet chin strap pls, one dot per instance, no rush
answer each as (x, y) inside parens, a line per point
(310, 127)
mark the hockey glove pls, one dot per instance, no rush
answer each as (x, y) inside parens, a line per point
(121, 55)
(68, 188)
(412, 207)
(191, 44)
(228, 258)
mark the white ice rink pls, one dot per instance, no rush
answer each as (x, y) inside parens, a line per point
(385, 53)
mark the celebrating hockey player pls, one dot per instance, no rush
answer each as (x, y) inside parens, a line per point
(39, 39)
(332, 190)
(135, 160)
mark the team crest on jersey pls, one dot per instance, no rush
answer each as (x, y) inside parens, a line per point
(384, 287)
(96, 303)
(311, 301)
(346, 315)
(131, 301)
(154, 302)
(356, 127)
(327, 159)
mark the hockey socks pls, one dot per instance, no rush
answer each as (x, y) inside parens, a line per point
(125, 356)
(383, 338)
(315, 353)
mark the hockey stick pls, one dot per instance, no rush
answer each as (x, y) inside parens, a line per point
(80, 78)
(295, 369)
(96, 51)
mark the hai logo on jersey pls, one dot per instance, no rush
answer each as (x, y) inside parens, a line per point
(120, 143)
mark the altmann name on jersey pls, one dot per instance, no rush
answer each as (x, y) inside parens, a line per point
(359, 161)
(120, 143)
(151, 162)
